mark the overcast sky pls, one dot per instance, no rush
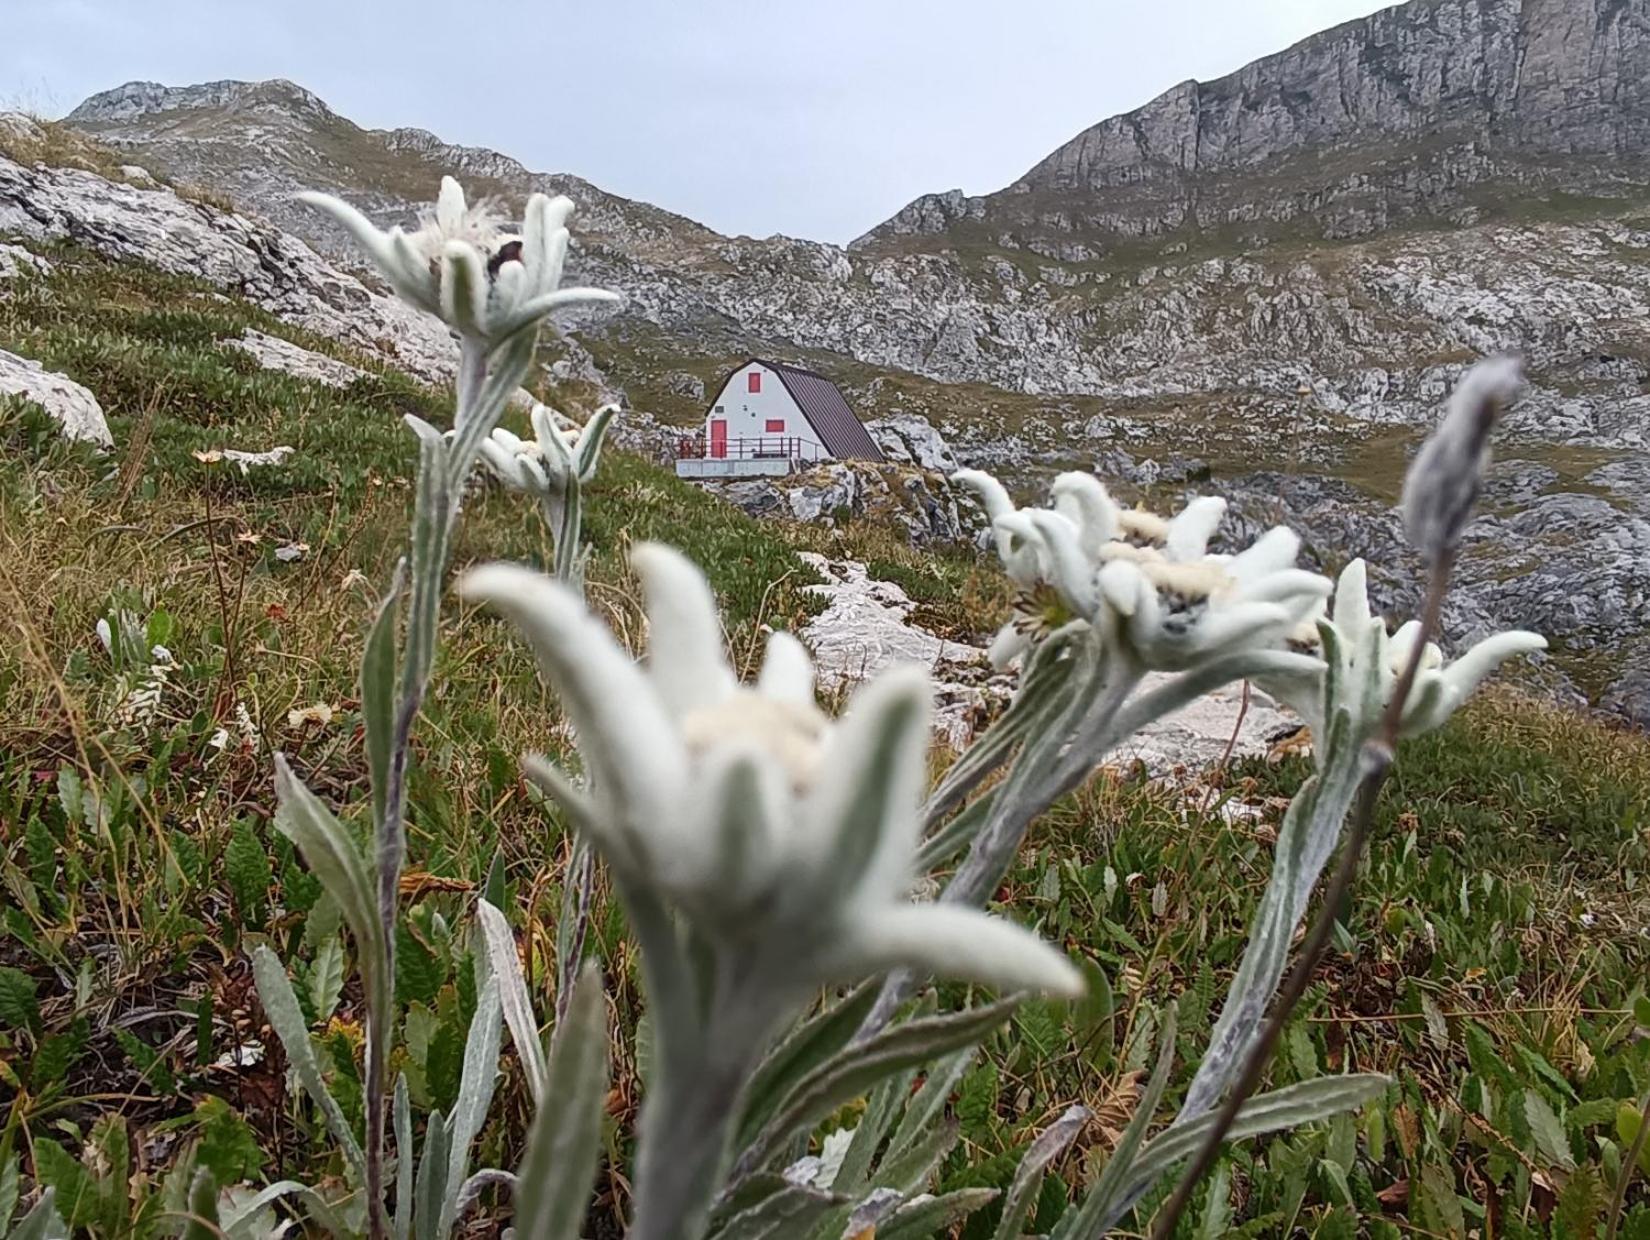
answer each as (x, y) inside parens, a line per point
(817, 119)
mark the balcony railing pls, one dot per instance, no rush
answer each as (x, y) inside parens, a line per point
(759, 448)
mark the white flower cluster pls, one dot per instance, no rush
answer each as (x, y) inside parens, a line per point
(560, 453)
(460, 265)
(1149, 588)
(1149, 583)
(780, 833)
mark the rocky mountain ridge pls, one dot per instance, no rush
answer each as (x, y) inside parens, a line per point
(1407, 112)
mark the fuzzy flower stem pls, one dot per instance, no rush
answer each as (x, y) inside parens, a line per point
(1377, 757)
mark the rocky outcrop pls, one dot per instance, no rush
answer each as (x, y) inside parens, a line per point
(925, 505)
(232, 252)
(73, 407)
(911, 440)
(866, 628)
(1432, 98)
(273, 353)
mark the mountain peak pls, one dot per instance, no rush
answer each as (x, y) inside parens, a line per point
(135, 99)
(1414, 110)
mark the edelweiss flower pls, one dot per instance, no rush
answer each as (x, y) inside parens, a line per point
(560, 452)
(1355, 635)
(1174, 614)
(780, 833)
(1144, 577)
(459, 266)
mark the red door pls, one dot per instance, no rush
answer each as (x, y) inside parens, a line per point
(719, 437)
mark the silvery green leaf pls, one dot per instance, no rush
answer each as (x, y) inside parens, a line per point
(431, 1189)
(855, 1164)
(513, 997)
(1028, 1177)
(783, 1214)
(43, 1222)
(403, 1159)
(331, 855)
(287, 1019)
(847, 1074)
(929, 1101)
(326, 978)
(808, 1045)
(865, 1218)
(488, 1177)
(432, 514)
(378, 667)
(1044, 687)
(565, 1139)
(931, 1216)
(1306, 840)
(913, 1167)
(241, 1220)
(1306, 1102)
(590, 442)
(956, 835)
(1095, 1215)
(574, 922)
(10, 1181)
(203, 1208)
(475, 1094)
(507, 365)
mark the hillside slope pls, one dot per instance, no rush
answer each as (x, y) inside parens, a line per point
(1287, 288)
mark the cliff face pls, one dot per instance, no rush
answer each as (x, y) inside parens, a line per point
(1399, 114)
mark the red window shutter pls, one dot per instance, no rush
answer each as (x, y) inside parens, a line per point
(776, 426)
(755, 381)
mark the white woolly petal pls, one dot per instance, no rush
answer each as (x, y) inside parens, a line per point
(1071, 572)
(962, 944)
(464, 288)
(534, 477)
(877, 755)
(1020, 548)
(1084, 501)
(499, 459)
(408, 274)
(629, 745)
(726, 846)
(1469, 671)
(450, 207)
(544, 304)
(1290, 585)
(686, 661)
(508, 291)
(787, 672)
(1124, 586)
(993, 497)
(1229, 629)
(1352, 598)
(1192, 527)
(1009, 644)
(1272, 552)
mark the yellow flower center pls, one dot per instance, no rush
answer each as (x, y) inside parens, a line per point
(793, 734)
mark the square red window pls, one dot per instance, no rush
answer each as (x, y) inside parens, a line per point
(754, 380)
(776, 426)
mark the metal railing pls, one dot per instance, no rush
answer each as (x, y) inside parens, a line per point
(757, 448)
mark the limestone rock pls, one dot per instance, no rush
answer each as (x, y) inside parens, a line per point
(273, 353)
(72, 406)
(15, 260)
(912, 440)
